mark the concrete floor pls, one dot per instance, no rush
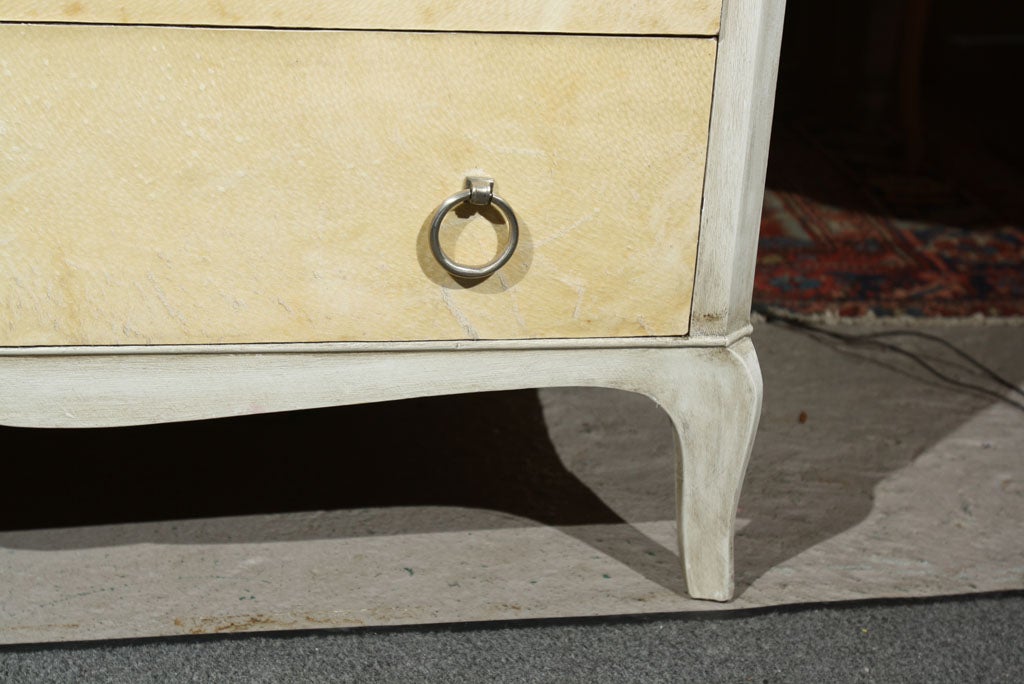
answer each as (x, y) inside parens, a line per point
(869, 479)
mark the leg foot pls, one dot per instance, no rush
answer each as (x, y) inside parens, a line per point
(714, 399)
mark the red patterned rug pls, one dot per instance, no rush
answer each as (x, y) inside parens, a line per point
(847, 231)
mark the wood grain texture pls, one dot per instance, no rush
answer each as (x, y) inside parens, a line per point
(672, 17)
(175, 186)
(715, 429)
(741, 124)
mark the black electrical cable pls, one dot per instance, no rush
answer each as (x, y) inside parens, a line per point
(873, 339)
(953, 348)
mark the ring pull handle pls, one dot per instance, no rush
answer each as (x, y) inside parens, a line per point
(479, 192)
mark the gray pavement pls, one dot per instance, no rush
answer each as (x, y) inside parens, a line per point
(960, 639)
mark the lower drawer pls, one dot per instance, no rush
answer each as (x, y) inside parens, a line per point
(167, 185)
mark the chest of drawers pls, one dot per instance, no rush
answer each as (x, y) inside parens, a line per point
(215, 209)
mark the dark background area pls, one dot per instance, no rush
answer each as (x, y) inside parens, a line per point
(934, 84)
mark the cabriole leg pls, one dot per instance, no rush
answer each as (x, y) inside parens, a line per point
(714, 399)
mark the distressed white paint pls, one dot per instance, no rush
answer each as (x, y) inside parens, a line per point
(431, 345)
(748, 60)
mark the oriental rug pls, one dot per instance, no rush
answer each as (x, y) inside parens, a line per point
(847, 230)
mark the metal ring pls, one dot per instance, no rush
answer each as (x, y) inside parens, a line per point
(478, 197)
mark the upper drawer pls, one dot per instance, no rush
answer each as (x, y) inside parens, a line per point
(651, 17)
(183, 185)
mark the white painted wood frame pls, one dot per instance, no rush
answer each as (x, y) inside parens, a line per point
(708, 381)
(741, 119)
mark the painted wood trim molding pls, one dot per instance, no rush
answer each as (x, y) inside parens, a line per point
(741, 115)
(342, 347)
(109, 390)
(657, 17)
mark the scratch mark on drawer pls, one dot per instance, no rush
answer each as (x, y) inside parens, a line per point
(162, 296)
(562, 232)
(579, 302)
(515, 302)
(459, 316)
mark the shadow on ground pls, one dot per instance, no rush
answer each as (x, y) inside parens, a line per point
(479, 451)
(593, 463)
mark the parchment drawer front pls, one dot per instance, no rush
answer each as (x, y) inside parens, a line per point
(650, 17)
(183, 185)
